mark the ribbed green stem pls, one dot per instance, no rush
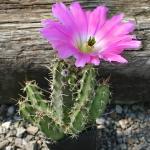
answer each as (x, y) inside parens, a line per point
(27, 111)
(102, 97)
(57, 86)
(38, 111)
(79, 113)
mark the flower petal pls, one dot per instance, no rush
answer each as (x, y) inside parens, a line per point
(108, 27)
(131, 44)
(123, 28)
(80, 19)
(96, 19)
(55, 31)
(65, 50)
(81, 60)
(111, 41)
(118, 48)
(61, 12)
(114, 57)
(95, 61)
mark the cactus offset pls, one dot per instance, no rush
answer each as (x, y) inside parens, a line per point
(73, 103)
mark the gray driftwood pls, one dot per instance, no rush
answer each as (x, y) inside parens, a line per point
(24, 54)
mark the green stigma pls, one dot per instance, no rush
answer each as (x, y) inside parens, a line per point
(88, 46)
(91, 41)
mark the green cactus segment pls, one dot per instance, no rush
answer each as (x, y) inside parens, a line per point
(99, 102)
(37, 110)
(34, 96)
(50, 129)
(27, 111)
(79, 113)
(57, 88)
(69, 94)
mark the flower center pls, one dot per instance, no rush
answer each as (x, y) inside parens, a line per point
(88, 46)
(91, 41)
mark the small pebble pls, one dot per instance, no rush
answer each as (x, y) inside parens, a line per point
(123, 147)
(100, 126)
(137, 108)
(9, 148)
(20, 132)
(123, 123)
(3, 130)
(18, 142)
(10, 139)
(125, 109)
(6, 124)
(141, 116)
(32, 130)
(31, 145)
(119, 133)
(29, 137)
(118, 109)
(128, 131)
(11, 133)
(10, 111)
(24, 142)
(100, 121)
(3, 144)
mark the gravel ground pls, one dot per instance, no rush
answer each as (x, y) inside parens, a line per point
(122, 127)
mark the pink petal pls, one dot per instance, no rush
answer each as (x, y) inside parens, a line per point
(124, 28)
(118, 48)
(129, 44)
(65, 50)
(45, 22)
(114, 57)
(81, 60)
(61, 12)
(55, 31)
(95, 61)
(111, 41)
(80, 19)
(96, 19)
(108, 27)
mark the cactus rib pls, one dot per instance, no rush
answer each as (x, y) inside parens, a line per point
(79, 113)
(99, 102)
(56, 87)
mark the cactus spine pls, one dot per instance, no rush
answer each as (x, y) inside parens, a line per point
(73, 103)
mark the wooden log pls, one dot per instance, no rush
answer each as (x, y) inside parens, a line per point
(24, 54)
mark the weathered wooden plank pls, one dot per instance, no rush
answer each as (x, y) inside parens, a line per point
(23, 51)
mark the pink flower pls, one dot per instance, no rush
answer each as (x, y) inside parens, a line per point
(89, 36)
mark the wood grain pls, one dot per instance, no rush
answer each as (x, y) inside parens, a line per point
(24, 54)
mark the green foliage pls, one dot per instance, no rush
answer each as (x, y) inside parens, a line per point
(73, 101)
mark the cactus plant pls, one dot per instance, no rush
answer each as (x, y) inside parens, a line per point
(73, 102)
